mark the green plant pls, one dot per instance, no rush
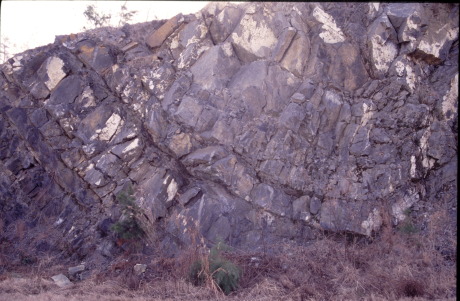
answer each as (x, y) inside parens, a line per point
(99, 19)
(125, 15)
(129, 226)
(222, 272)
(407, 226)
(96, 18)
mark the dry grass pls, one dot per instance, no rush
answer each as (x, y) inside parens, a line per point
(393, 266)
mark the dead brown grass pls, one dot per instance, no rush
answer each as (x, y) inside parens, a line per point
(392, 266)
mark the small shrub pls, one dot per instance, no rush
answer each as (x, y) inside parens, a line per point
(128, 227)
(100, 19)
(196, 273)
(96, 18)
(408, 226)
(125, 15)
(224, 273)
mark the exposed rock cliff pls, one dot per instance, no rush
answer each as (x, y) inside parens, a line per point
(258, 122)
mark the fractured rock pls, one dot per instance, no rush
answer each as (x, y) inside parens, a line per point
(207, 155)
(62, 281)
(158, 192)
(245, 122)
(358, 217)
(382, 40)
(297, 55)
(188, 111)
(224, 24)
(161, 34)
(139, 268)
(284, 41)
(180, 144)
(54, 71)
(253, 38)
(76, 269)
(215, 67)
(128, 151)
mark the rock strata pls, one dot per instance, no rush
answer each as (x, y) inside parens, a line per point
(253, 122)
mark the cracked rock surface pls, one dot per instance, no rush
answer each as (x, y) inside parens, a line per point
(258, 122)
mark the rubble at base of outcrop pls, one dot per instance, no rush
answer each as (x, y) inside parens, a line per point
(256, 122)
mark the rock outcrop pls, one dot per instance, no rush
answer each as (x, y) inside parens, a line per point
(255, 122)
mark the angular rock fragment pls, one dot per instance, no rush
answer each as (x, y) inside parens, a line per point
(253, 38)
(300, 208)
(436, 42)
(55, 71)
(224, 23)
(358, 217)
(76, 269)
(292, 116)
(407, 19)
(139, 268)
(250, 75)
(128, 151)
(188, 195)
(99, 57)
(215, 67)
(331, 34)
(270, 199)
(109, 164)
(62, 281)
(94, 177)
(64, 94)
(315, 205)
(101, 124)
(188, 111)
(129, 46)
(297, 55)
(180, 144)
(157, 193)
(284, 41)
(161, 34)
(206, 155)
(382, 40)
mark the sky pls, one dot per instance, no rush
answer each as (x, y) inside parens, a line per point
(29, 24)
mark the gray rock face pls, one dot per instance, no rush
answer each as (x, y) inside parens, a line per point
(248, 122)
(214, 69)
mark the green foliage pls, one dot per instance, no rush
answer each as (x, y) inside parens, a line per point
(96, 18)
(128, 227)
(222, 271)
(217, 249)
(125, 15)
(407, 226)
(225, 273)
(196, 274)
(99, 19)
